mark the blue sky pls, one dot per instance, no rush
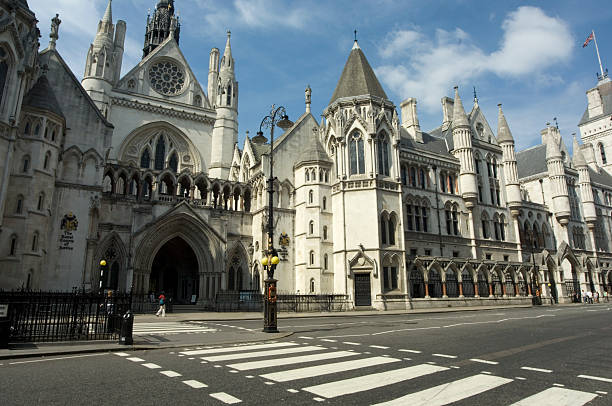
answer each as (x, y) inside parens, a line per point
(528, 56)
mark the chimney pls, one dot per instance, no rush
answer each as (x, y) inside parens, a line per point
(447, 112)
(410, 120)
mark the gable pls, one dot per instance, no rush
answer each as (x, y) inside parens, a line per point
(480, 126)
(165, 74)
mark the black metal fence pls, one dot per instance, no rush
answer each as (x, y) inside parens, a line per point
(143, 304)
(252, 301)
(64, 316)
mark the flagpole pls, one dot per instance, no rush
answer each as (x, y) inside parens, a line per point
(597, 49)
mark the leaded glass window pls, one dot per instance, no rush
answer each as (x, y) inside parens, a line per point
(356, 154)
(160, 153)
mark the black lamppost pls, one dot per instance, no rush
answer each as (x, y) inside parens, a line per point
(103, 274)
(277, 117)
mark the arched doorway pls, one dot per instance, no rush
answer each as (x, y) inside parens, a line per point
(175, 271)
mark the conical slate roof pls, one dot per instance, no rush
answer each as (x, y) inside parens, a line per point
(459, 117)
(357, 78)
(314, 153)
(579, 160)
(503, 131)
(42, 97)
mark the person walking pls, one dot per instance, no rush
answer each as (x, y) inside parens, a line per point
(590, 297)
(162, 305)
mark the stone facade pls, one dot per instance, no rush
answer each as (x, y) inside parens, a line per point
(144, 171)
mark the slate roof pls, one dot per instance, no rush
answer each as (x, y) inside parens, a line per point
(605, 90)
(357, 78)
(42, 97)
(314, 152)
(432, 142)
(602, 177)
(531, 161)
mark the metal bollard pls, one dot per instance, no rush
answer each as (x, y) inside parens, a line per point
(127, 326)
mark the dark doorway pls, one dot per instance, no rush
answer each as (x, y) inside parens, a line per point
(363, 295)
(175, 271)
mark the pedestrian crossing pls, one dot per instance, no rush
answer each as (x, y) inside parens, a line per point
(330, 373)
(170, 327)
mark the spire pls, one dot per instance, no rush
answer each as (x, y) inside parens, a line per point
(459, 116)
(503, 131)
(475, 98)
(358, 78)
(552, 148)
(579, 160)
(108, 14)
(227, 62)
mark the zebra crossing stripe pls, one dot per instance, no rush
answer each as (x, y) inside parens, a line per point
(237, 348)
(225, 398)
(326, 369)
(259, 354)
(246, 366)
(372, 381)
(450, 392)
(557, 397)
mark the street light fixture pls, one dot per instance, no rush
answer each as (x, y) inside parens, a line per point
(103, 268)
(277, 117)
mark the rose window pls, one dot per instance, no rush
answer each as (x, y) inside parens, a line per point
(167, 78)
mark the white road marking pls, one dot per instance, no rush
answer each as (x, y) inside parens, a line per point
(170, 374)
(444, 356)
(151, 366)
(412, 351)
(55, 359)
(259, 354)
(560, 385)
(233, 372)
(595, 378)
(450, 392)
(557, 397)
(238, 348)
(245, 366)
(455, 367)
(318, 370)
(431, 363)
(292, 391)
(319, 399)
(135, 359)
(484, 361)
(407, 359)
(122, 354)
(373, 381)
(601, 392)
(486, 372)
(249, 376)
(520, 378)
(381, 347)
(350, 343)
(225, 398)
(306, 338)
(195, 384)
(547, 371)
(329, 340)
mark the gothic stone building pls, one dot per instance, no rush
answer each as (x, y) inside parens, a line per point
(144, 170)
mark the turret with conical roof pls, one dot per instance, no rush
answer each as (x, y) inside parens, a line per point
(462, 140)
(225, 130)
(104, 60)
(586, 190)
(556, 176)
(506, 142)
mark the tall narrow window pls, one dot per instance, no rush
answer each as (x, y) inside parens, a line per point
(25, 166)
(312, 257)
(13, 247)
(173, 163)
(404, 176)
(324, 203)
(425, 219)
(307, 176)
(417, 218)
(325, 264)
(356, 154)
(145, 159)
(422, 180)
(409, 219)
(443, 182)
(41, 202)
(228, 99)
(311, 228)
(19, 207)
(3, 72)
(413, 179)
(391, 231)
(46, 162)
(502, 229)
(310, 196)
(160, 153)
(325, 232)
(449, 221)
(455, 221)
(312, 285)
(35, 242)
(386, 163)
(602, 152)
(383, 230)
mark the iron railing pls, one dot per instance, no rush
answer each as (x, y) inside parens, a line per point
(252, 301)
(143, 304)
(36, 316)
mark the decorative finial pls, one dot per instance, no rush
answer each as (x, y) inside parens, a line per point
(355, 35)
(556, 122)
(475, 95)
(54, 35)
(229, 33)
(308, 95)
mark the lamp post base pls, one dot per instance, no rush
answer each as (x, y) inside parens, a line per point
(270, 325)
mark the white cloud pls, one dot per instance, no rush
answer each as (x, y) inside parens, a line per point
(532, 42)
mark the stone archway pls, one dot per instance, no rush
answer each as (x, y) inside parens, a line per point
(175, 272)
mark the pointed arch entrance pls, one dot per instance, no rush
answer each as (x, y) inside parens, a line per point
(175, 271)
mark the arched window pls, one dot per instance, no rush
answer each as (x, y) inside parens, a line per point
(35, 242)
(485, 226)
(13, 246)
(173, 163)
(356, 154)
(27, 129)
(312, 285)
(145, 159)
(307, 175)
(422, 178)
(107, 184)
(29, 280)
(477, 163)
(410, 217)
(197, 101)
(46, 162)
(25, 164)
(53, 136)
(312, 257)
(502, 228)
(383, 154)
(425, 218)
(325, 264)
(602, 152)
(37, 130)
(325, 232)
(311, 227)
(19, 205)
(4, 68)
(404, 175)
(160, 153)
(383, 230)
(413, 178)
(41, 202)
(228, 99)
(324, 203)
(392, 231)
(310, 196)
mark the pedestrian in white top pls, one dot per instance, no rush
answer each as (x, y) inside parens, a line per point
(590, 296)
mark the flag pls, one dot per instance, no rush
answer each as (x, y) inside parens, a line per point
(589, 38)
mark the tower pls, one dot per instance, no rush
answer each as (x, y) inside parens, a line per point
(213, 76)
(506, 142)
(160, 26)
(462, 140)
(225, 130)
(556, 176)
(104, 60)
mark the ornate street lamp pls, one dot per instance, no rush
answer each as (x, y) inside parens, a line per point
(103, 268)
(277, 117)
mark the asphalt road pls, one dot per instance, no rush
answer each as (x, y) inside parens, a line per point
(535, 356)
